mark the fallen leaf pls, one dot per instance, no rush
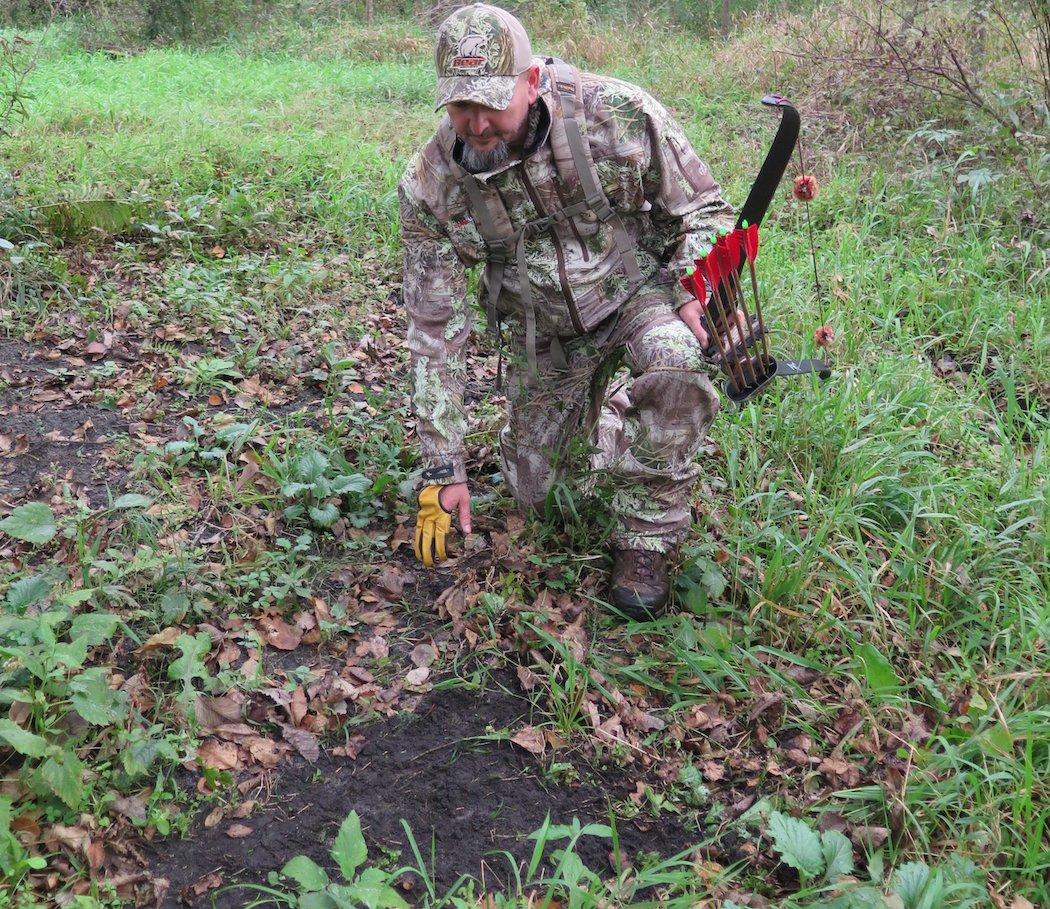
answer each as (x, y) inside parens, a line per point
(96, 350)
(352, 747)
(96, 855)
(213, 818)
(423, 655)
(133, 807)
(277, 633)
(642, 721)
(527, 678)
(215, 712)
(418, 676)
(265, 751)
(302, 741)
(391, 582)
(75, 839)
(713, 771)
(238, 831)
(218, 755)
(209, 882)
(245, 809)
(163, 638)
(869, 837)
(531, 739)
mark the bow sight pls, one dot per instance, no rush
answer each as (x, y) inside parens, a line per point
(741, 345)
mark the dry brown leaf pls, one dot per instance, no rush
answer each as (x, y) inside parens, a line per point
(96, 350)
(218, 755)
(132, 807)
(423, 655)
(163, 638)
(302, 741)
(238, 831)
(527, 678)
(869, 837)
(213, 818)
(214, 712)
(206, 883)
(642, 721)
(75, 839)
(391, 582)
(418, 676)
(244, 809)
(277, 633)
(297, 706)
(531, 739)
(352, 747)
(713, 771)
(265, 751)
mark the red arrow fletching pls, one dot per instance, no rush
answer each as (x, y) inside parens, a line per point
(751, 241)
(733, 246)
(714, 275)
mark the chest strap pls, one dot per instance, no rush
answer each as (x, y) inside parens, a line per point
(504, 248)
(505, 244)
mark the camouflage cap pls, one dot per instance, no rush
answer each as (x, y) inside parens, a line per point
(481, 51)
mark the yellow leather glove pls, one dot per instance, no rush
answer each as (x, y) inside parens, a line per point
(432, 524)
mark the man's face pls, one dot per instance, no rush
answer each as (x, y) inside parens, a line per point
(485, 129)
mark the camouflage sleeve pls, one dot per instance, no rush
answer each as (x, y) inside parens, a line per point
(687, 202)
(435, 292)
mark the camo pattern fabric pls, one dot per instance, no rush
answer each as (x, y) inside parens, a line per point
(642, 439)
(669, 205)
(477, 56)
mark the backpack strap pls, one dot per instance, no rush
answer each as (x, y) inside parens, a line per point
(569, 89)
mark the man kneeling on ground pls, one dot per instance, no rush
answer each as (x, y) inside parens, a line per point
(586, 202)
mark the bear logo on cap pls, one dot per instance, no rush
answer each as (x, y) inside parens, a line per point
(471, 55)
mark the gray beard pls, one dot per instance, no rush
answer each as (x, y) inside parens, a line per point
(478, 162)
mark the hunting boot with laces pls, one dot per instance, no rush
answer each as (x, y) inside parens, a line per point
(641, 583)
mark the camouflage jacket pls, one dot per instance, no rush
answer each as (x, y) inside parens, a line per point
(665, 196)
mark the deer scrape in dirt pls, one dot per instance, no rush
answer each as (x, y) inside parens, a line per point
(473, 798)
(46, 439)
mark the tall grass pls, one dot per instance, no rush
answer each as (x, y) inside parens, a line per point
(902, 504)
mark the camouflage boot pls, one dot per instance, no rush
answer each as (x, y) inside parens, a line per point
(641, 583)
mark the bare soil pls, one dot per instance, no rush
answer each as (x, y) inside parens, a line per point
(466, 798)
(52, 440)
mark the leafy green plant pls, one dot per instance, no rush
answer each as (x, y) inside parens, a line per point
(209, 373)
(33, 523)
(62, 701)
(317, 484)
(314, 889)
(828, 855)
(826, 859)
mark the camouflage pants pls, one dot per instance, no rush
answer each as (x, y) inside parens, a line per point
(645, 440)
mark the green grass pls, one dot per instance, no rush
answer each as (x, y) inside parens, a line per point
(887, 531)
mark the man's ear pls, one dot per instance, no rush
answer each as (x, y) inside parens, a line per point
(533, 79)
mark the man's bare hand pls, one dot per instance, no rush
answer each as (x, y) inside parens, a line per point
(455, 499)
(690, 314)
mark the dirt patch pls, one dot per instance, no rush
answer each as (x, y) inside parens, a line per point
(66, 445)
(47, 436)
(469, 797)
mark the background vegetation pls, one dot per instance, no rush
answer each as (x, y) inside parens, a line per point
(215, 180)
